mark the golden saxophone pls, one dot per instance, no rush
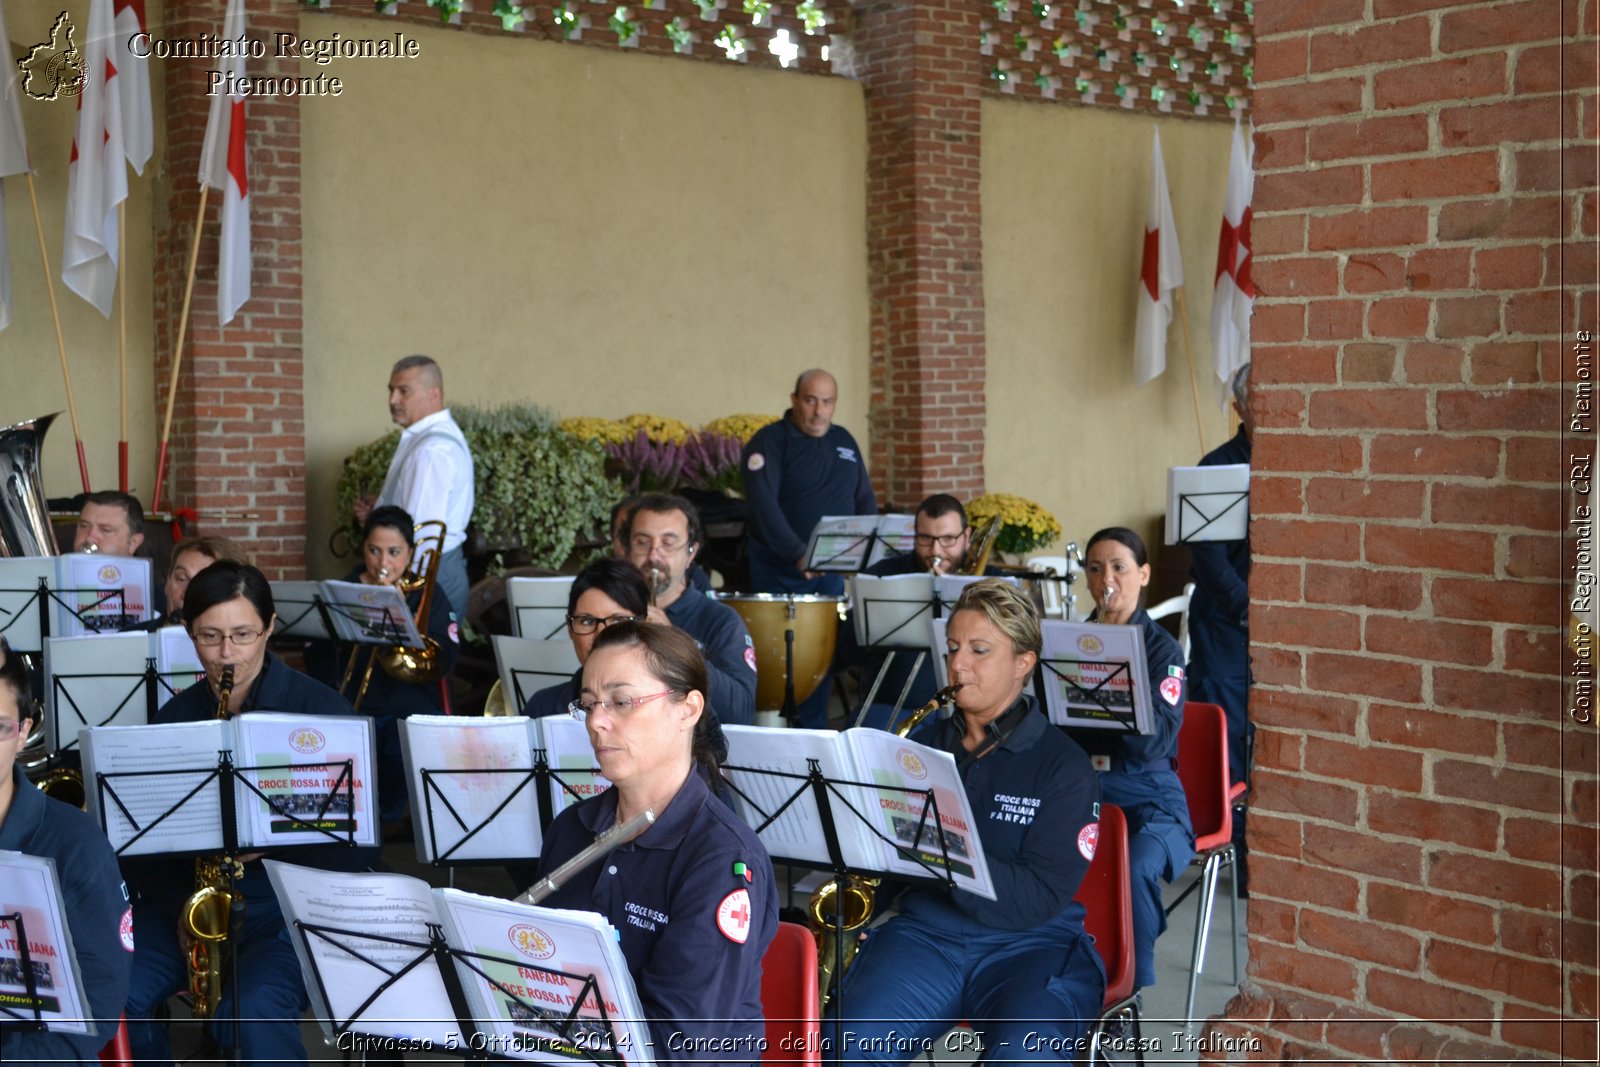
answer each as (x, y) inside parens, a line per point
(207, 913)
(839, 908)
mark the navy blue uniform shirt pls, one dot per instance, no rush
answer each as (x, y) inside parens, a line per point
(554, 699)
(1036, 802)
(792, 479)
(729, 653)
(98, 917)
(695, 904)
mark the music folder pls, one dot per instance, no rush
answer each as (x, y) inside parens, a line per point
(41, 985)
(538, 606)
(364, 614)
(1208, 503)
(527, 665)
(1093, 676)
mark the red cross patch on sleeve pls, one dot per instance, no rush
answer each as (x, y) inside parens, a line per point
(733, 916)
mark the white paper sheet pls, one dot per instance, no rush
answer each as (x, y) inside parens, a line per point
(528, 664)
(96, 680)
(797, 834)
(840, 542)
(371, 614)
(538, 606)
(1095, 673)
(125, 754)
(571, 759)
(896, 537)
(1208, 503)
(459, 811)
(177, 662)
(19, 600)
(298, 616)
(302, 761)
(83, 582)
(29, 887)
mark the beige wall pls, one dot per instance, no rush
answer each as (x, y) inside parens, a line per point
(1064, 196)
(598, 233)
(33, 382)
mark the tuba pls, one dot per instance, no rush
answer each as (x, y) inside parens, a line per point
(838, 908)
(210, 910)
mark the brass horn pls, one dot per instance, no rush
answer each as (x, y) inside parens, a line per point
(401, 663)
(981, 546)
(25, 531)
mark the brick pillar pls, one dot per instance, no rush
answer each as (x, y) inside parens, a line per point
(237, 453)
(919, 61)
(1423, 822)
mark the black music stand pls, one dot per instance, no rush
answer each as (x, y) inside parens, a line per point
(1122, 721)
(895, 637)
(540, 776)
(30, 981)
(825, 791)
(445, 957)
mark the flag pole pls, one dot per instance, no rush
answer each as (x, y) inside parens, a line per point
(1188, 350)
(177, 352)
(61, 345)
(122, 353)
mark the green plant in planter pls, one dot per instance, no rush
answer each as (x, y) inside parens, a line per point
(536, 488)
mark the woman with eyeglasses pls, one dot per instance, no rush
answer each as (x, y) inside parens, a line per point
(693, 898)
(605, 593)
(388, 549)
(228, 611)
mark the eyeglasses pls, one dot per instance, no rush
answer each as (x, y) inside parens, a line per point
(668, 544)
(582, 709)
(9, 728)
(945, 540)
(241, 638)
(588, 624)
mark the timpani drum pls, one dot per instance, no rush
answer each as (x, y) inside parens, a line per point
(770, 617)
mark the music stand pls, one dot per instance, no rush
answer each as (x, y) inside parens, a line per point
(30, 980)
(895, 537)
(114, 671)
(527, 665)
(25, 601)
(538, 606)
(1208, 503)
(1093, 676)
(302, 612)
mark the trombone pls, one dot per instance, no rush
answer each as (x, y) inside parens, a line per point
(399, 662)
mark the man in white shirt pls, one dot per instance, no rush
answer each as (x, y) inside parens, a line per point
(431, 473)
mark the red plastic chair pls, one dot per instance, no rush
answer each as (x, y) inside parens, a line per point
(789, 997)
(1107, 898)
(118, 1053)
(1203, 769)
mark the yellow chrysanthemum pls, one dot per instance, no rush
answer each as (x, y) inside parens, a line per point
(660, 429)
(1024, 525)
(591, 428)
(743, 427)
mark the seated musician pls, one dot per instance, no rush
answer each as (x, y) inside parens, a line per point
(606, 592)
(693, 899)
(98, 916)
(621, 515)
(1021, 963)
(1136, 771)
(229, 613)
(663, 537)
(388, 548)
(110, 523)
(189, 558)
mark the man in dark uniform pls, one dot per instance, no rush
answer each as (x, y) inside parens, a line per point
(1219, 619)
(97, 911)
(797, 470)
(663, 537)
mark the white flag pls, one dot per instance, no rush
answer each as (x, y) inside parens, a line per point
(13, 160)
(1235, 293)
(97, 177)
(224, 166)
(133, 81)
(1160, 272)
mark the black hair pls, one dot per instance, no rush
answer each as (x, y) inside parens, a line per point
(14, 676)
(1124, 537)
(393, 517)
(431, 367)
(941, 504)
(662, 503)
(114, 499)
(223, 581)
(627, 503)
(672, 656)
(617, 579)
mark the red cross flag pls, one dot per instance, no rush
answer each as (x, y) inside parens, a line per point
(97, 178)
(225, 167)
(133, 82)
(1159, 274)
(1235, 293)
(13, 160)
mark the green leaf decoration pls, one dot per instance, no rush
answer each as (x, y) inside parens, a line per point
(811, 15)
(708, 8)
(1041, 10)
(731, 42)
(447, 9)
(623, 26)
(1158, 26)
(679, 34)
(758, 10)
(510, 14)
(565, 20)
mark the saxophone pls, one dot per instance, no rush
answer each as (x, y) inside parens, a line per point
(840, 907)
(207, 912)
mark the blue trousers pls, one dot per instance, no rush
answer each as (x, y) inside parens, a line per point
(269, 1011)
(453, 581)
(812, 712)
(1031, 994)
(1151, 834)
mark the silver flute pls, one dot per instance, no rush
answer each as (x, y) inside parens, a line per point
(613, 838)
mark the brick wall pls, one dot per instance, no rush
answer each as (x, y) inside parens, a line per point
(237, 453)
(920, 64)
(1423, 824)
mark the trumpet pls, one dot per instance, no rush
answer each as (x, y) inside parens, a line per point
(214, 906)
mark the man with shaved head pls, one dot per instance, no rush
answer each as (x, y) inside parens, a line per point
(431, 473)
(797, 470)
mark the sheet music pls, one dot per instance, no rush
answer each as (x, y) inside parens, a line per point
(521, 1017)
(1095, 675)
(527, 665)
(337, 979)
(900, 764)
(840, 542)
(177, 662)
(939, 651)
(897, 536)
(371, 614)
(1208, 503)
(462, 815)
(84, 587)
(121, 751)
(95, 680)
(538, 606)
(19, 600)
(306, 791)
(297, 610)
(797, 834)
(29, 887)
(571, 758)
(893, 611)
